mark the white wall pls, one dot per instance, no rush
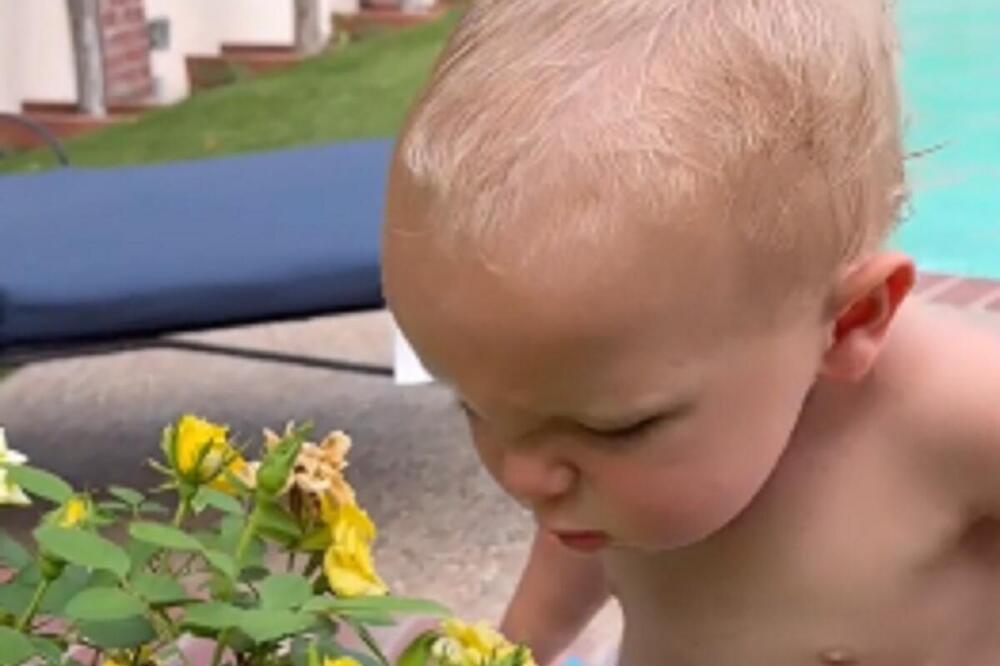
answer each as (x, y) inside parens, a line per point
(36, 53)
(342, 7)
(199, 27)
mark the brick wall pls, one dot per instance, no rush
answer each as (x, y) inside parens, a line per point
(127, 74)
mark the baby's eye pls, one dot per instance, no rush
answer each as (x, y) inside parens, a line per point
(635, 430)
(628, 431)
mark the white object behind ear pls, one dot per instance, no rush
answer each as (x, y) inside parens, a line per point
(407, 368)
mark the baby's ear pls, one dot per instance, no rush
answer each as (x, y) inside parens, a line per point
(863, 306)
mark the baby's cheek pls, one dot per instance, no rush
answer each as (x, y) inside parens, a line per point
(670, 508)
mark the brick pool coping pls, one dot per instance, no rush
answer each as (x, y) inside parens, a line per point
(962, 292)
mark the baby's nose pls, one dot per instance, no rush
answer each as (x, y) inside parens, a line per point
(535, 477)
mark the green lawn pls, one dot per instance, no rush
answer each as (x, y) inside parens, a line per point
(361, 90)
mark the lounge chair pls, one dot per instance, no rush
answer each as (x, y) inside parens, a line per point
(93, 259)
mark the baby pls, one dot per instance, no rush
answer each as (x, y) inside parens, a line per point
(643, 240)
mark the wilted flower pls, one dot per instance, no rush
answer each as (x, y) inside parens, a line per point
(200, 453)
(315, 477)
(463, 644)
(348, 563)
(10, 493)
(319, 468)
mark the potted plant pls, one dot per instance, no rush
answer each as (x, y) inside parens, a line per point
(231, 560)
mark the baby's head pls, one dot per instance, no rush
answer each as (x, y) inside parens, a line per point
(634, 234)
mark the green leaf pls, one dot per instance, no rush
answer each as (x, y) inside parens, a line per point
(14, 598)
(254, 574)
(140, 553)
(83, 548)
(72, 581)
(15, 648)
(12, 553)
(284, 591)
(40, 483)
(47, 648)
(419, 651)
(131, 497)
(159, 590)
(263, 625)
(163, 536)
(213, 616)
(370, 642)
(230, 529)
(210, 497)
(327, 645)
(111, 506)
(104, 604)
(222, 562)
(390, 605)
(154, 508)
(373, 618)
(29, 575)
(277, 464)
(276, 524)
(119, 634)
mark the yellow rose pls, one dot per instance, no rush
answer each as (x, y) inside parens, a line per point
(202, 454)
(74, 512)
(10, 493)
(463, 644)
(341, 661)
(348, 563)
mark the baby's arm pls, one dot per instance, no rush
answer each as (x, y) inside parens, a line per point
(560, 591)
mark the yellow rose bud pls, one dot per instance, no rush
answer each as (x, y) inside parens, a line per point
(51, 567)
(200, 454)
(74, 512)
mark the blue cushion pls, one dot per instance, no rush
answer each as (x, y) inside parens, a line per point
(98, 254)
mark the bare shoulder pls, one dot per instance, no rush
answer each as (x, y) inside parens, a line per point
(950, 363)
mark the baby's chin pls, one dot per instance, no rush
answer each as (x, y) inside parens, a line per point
(664, 539)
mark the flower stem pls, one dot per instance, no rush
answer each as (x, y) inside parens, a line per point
(241, 548)
(169, 631)
(245, 537)
(220, 647)
(24, 623)
(182, 508)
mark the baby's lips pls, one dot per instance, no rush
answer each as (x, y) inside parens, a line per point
(583, 541)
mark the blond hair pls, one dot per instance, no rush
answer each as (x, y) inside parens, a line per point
(785, 112)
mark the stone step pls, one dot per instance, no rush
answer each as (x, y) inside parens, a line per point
(62, 120)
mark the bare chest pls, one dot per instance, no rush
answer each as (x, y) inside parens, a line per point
(844, 559)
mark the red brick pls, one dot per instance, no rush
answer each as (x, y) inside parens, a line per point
(994, 305)
(927, 281)
(967, 291)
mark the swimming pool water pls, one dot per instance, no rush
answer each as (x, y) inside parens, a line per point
(951, 81)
